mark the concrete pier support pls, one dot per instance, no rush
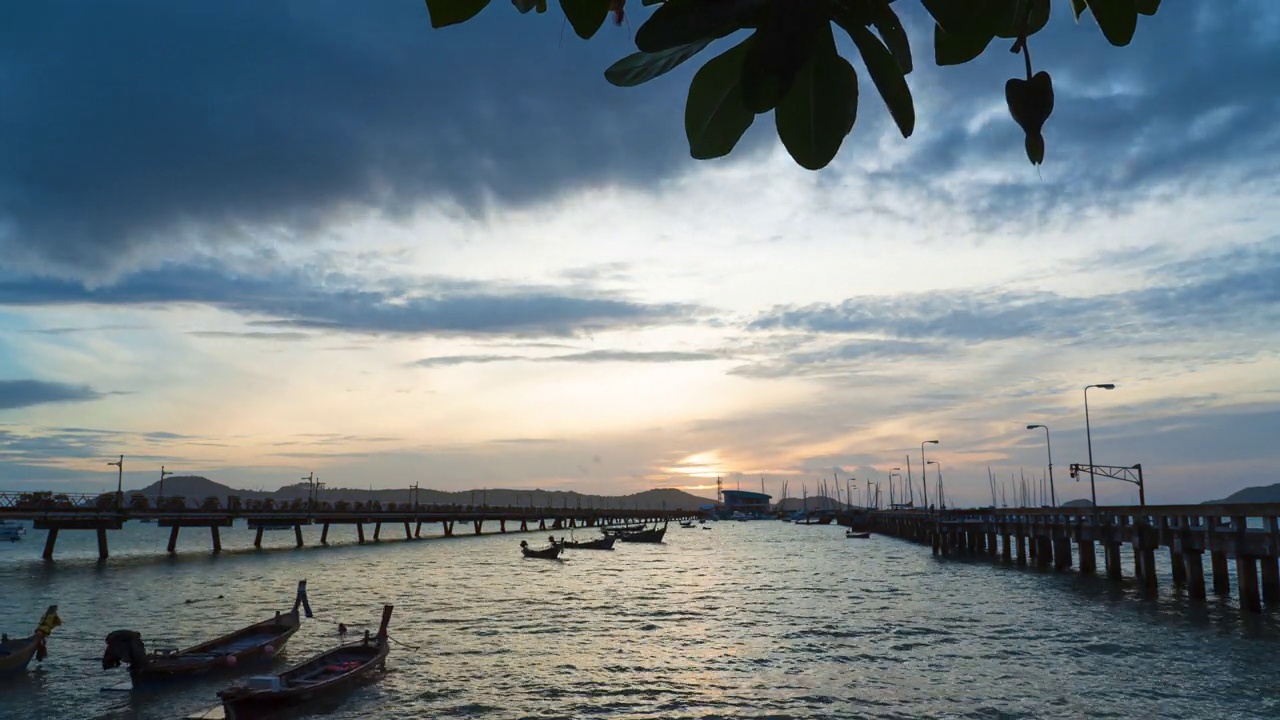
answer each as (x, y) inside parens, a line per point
(377, 532)
(102, 543)
(417, 530)
(1022, 547)
(324, 534)
(448, 528)
(1193, 561)
(1144, 567)
(1221, 581)
(360, 533)
(478, 524)
(1179, 567)
(408, 535)
(1270, 580)
(936, 541)
(1006, 550)
(542, 524)
(1044, 551)
(297, 535)
(1062, 553)
(1247, 579)
(1115, 572)
(502, 526)
(173, 539)
(257, 538)
(524, 525)
(216, 536)
(993, 546)
(50, 540)
(1088, 559)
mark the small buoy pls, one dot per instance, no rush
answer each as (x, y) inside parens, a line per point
(231, 661)
(269, 650)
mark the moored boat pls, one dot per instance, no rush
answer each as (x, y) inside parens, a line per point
(16, 654)
(650, 535)
(11, 531)
(600, 543)
(330, 673)
(857, 535)
(621, 529)
(259, 641)
(551, 552)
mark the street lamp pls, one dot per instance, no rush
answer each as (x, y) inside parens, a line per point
(119, 482)
(1093, 492)
(924, 480)
(942, 497)
(896, 471)
(1053, 495)
(160, 491)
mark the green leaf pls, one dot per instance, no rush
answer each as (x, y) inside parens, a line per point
(714, 116)
(781, 47)
(951, 49)
(888, 78)
(1148, 7)
(1117, 18)
(819, 111)
(586, 16)
(680, 22)
(1006, 17)
(640, 67)
(451, 12)
(894, 36)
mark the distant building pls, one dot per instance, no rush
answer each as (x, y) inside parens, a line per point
(751, 504)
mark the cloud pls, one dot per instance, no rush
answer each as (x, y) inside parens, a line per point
(1240, 288)
(25, 393)
(333, 302)
(592, 356)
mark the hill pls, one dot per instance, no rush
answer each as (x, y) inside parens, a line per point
(1257, 494)
(1082, 502)
(195, 487)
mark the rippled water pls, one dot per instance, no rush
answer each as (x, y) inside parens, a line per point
(759, 619)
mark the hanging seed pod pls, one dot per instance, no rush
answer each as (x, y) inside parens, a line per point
(1030, 103)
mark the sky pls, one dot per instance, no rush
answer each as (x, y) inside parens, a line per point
(254, 241)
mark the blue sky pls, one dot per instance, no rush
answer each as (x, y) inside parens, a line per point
(256, 240)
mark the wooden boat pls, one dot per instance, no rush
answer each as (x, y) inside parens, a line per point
(621, 529)
(330, 673)
(548, 553)
(857, 535)
(259, 641)
(686, 524)
(11, 531)
(651, 535)
(16, 654)
(600, 543)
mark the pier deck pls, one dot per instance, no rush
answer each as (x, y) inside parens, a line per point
(1246, 534)
(109, 511)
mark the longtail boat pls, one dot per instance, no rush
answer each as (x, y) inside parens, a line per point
(600, 543)
(652, 535)
(548, 553)
(259, 641)
(329, 673)
(16, 654)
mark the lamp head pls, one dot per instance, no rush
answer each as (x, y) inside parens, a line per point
(932, 462)
(1108, 386)
(931, 442)
(1033, 427)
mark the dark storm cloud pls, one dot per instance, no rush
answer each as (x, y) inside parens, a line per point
(149, 121)
(25, 393)
(337, 303)
(1239, 289)
(1189, 106)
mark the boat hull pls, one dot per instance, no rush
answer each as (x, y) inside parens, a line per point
(238, 651)
(16, 655)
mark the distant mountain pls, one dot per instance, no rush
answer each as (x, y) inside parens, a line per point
(1082, 502)
(194, 487)
(1258, 494)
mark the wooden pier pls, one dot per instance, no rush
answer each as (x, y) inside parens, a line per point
(1247, 535)
(101, 513)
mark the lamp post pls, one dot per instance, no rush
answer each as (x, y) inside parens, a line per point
(942, 497)
(1093, 492)
(924, 480)
(119, 482)
(1053, 494)
(898, 473)
(160, 491)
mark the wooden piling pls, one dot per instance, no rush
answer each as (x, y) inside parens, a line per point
(448, 528)
(1270, 580)
(502, 526)
(1088, 560)
(216, 536)
(993, 546)
(1247, 580)
(257, 538)
(360, 533)
(297, 535)
(1179, 566)
(1005, 550)
(1221, 581)
(1115, 571)
(1021, 546)
(324, 534)
(377, 532)
(1194, 562)
(1062, 553)
(417, 530)
(173, 539)
(49, 541)
(478, 524)
(408, 535)
(102, 543)
(936, 541)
